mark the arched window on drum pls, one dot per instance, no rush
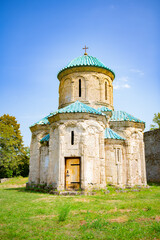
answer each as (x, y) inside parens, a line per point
(106, 90)
(80, 88)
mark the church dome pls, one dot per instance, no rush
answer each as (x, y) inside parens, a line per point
(85, 61)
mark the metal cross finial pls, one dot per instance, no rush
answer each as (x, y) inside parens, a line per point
(85, 50)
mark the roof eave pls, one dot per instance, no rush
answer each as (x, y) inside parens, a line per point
(66, 71)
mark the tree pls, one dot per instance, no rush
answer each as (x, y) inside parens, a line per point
(12, 151)
(24, 165)
(156, 120)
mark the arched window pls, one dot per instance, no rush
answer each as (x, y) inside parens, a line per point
(79, 87)
(72, 137)
(105, 90)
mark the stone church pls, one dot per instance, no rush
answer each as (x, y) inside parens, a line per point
(86, 144)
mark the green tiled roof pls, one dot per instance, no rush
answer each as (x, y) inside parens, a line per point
(45, 139)
(77, 107)
(86, 60)
(42, 121)
(110, 134)
(104, 109)
(123, 116)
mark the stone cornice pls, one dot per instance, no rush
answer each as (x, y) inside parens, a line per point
(78, 117)
(126, 124)
(38, 127)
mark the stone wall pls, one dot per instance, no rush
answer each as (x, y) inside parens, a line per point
(88, 145)
(115, 159)
(38, 132)
(44, 162)
(47, 162)
(134, 146)
(152, 155)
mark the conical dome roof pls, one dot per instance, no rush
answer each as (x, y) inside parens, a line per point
(86, 60)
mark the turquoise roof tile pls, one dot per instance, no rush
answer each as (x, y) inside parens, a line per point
(110, 134)
(123, 116)
(42, 121)
(86, 60)
(45, 139)
(104, 109)
(78, 107)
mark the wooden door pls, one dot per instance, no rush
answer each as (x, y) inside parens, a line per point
(72, 173)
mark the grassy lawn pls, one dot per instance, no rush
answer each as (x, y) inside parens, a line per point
(116, 215)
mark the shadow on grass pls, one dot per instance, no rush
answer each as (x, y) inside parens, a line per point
(38, 190)
(153, 183)
(23, 189)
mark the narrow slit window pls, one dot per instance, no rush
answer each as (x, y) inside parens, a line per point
(105, 90)
(72, 137)
(79, 87)
(118, 155)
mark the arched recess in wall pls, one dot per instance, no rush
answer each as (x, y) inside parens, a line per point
(44, 160)
(66, 90)
(101, 82)
(44, 135)
(106, 90)
(112, 95)
(110, 90)
(95, 88)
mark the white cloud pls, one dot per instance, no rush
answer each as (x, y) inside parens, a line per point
(126, 86)
(116, 86)
(123, 79)
(121, 83)
(137, 71)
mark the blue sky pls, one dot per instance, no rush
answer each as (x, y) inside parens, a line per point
(39, 37)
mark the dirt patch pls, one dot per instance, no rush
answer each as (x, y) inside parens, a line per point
(84, 211)
(13, 185)
(82, 222)
(112, 201)
(47, 199)
(145, 209)
(119, 210)
(82, 200)
(144, 219)
(125, 210)
(81, 211)
(119, 219)
(157, 218)
(102, 212)
(113, 210)
(43, 216)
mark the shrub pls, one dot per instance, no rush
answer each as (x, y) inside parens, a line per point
(63, 213)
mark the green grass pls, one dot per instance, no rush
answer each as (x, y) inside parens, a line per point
(116, 215)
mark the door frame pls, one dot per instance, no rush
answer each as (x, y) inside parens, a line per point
(65, 159)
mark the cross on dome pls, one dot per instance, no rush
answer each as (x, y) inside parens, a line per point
(85, 50)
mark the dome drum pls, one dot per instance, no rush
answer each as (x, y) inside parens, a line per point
(88, 80)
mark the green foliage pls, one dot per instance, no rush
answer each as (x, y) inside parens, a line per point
(63, 213)
(14, 157)
(156, 120)
(24, 165)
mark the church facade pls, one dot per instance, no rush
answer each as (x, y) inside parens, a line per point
(86, 144)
